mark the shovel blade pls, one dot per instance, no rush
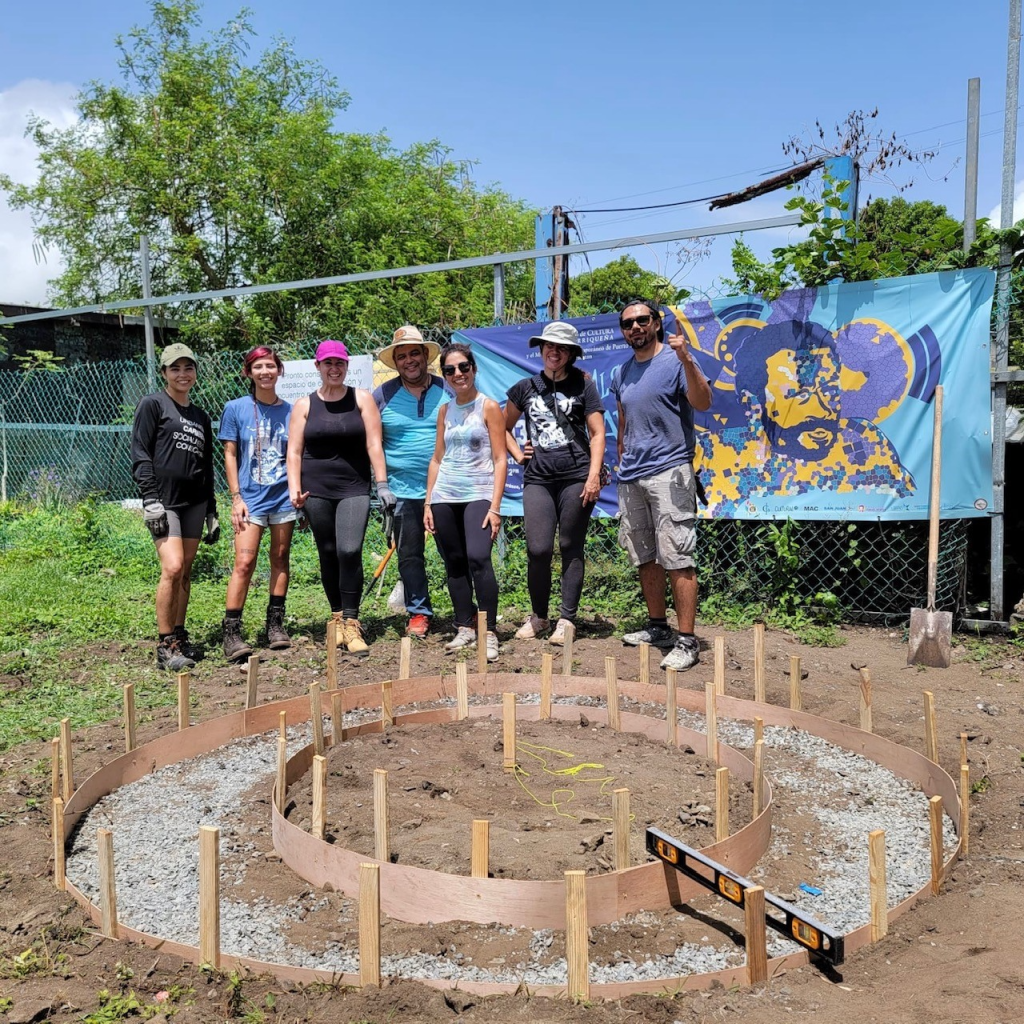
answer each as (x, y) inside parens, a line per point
(930, 633)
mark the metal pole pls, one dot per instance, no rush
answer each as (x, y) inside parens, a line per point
(971, 171)
(147, 293)
(1000, 355)
(499, 293)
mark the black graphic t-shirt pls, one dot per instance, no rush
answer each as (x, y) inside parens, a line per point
(172, 452)
(555, 455)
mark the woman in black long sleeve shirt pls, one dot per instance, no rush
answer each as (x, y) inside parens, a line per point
(172, 462)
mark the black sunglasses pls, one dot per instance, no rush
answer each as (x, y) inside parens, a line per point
(449, 371)
(640, 321)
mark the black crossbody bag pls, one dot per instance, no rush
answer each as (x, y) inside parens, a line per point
(547, 396)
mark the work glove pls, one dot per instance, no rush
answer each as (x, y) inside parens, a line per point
(212, 529)
(387, 498)
(155, 517)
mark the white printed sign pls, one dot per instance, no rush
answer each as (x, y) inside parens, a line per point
(302, 378)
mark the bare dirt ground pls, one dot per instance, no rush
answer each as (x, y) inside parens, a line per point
(953, 958)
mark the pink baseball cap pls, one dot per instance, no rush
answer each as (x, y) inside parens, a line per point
(330, 349)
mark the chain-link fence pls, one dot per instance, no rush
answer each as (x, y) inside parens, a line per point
(65, 433)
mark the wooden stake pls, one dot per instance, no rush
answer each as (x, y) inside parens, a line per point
(59, 878)
(108, 890)
(877, 885)
(720, 665)
(931, 745)
(547, 664)
(405, 658)
(316, 719)
(757, 945)
(332, 653)
(671, 712)
(387, 704)
(935, 819)
(508, 732)
(129, 718)
(576, 937)
(381, 840)
(319, 826)
(337, 718)
(54, 768)
(645, 662)
(620, 824)
(67, 758)
(795, 700)
(252, 672)
(965, 803)
(711, 713)
(758, 728)
(480, 853)
(612, 685)
(184, 700)
(758, 777)
(721, 805)
(963, 748)
(481, 643)
(461, 691)
(865, 700)
(369, 925)
(282, 773)
(209, 895)
(759, 691)
(570, 637)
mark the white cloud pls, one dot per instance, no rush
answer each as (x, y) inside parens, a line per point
(1018, 207)
(23, 277)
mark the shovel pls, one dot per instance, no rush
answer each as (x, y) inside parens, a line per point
(930, 630)
(389, 537)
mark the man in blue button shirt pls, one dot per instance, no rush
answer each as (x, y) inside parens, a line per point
(657, 390)
(408, 407)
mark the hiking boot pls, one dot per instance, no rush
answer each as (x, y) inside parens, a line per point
(419, 626)
(277, 636)
(185, 644)
(235, 648)
(532, 627)
(655, 634)
(352, 638)
(684, 654)
(464, 637)
(169, 657)
(492, 646)
(558, 634)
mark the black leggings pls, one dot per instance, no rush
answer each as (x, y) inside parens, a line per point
(339, 526)
(466, 550)
(547, 505)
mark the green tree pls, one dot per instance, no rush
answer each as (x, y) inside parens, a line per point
(614, 284)
(234, 169)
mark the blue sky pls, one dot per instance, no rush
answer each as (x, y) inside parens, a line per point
(582, 104)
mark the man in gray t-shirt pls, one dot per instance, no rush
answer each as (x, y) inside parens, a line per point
(657, 390)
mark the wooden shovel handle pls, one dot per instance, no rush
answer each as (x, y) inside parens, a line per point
(934, 500)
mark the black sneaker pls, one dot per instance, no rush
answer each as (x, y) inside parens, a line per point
(655, 634)
(685, 654)
(170, 658)
(185, 644)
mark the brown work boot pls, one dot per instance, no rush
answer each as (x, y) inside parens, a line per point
(235, 648)
(277, 636)
(352, 638)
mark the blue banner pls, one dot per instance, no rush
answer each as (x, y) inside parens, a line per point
(822, 399)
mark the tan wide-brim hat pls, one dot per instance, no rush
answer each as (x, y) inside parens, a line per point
(558, 332)
(407, 335)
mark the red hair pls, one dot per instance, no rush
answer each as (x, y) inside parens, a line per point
(260, 352)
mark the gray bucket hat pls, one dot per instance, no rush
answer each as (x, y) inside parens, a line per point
(558, 332)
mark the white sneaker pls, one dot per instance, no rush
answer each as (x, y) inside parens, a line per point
(464, 637)
(492, 647)
(558, 636)
(532, 627)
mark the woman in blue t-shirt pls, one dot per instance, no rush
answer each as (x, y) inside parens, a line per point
(254, 430)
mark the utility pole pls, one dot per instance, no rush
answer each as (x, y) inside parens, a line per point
(551, 289)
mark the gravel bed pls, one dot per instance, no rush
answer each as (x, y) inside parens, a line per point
(156, 820)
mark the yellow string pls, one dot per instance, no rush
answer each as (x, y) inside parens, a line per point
(521, 775)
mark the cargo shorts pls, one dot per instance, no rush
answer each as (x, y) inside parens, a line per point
(658, 518)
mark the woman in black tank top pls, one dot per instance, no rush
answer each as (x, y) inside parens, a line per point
(334, 444)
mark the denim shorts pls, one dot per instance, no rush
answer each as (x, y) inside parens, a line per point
(658, 518)
(274, 518)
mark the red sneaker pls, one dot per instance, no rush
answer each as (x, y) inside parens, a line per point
(419, 626)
